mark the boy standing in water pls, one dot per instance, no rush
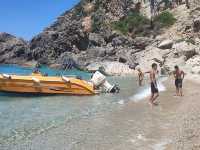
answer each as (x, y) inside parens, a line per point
(154, 87)
(140, 76)
(179, 76)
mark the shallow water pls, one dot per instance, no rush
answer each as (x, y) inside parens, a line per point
(88, 122)
(24, 116)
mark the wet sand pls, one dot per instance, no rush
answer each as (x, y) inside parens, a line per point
(130, 126)
(187, 121)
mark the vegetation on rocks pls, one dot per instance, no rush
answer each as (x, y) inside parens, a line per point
(134, 21)
(165, 19)
(97, 20)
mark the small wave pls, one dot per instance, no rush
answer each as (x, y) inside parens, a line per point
(141, 137)
(145, 92)
(161, 145)
(121, 102)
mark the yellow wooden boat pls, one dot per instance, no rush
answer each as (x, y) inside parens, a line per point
(39, 84)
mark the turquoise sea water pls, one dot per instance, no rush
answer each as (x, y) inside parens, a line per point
(23, 116)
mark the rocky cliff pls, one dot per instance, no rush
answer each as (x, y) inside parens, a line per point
(113, 32)
(84, 34)
(12, 49)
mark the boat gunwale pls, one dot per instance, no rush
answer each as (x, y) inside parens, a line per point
(81, 84)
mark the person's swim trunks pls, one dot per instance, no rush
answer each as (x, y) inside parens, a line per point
(154, 88)
(179, 83)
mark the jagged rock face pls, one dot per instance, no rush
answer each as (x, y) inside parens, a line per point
(12, 49)
(117, 8)
(75, 30)
(52, 43)
(84, 36)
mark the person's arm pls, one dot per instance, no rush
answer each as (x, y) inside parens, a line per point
(142, 75)
(147, 72)
(183, 74)
(153, 79)
(174, 73)
(139, 75)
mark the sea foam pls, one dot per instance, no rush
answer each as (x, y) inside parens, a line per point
(145, 92)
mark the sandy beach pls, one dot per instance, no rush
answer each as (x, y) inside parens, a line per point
(173, 125)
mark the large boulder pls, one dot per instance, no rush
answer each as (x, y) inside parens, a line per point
(166, 44)
(110, 68)
(171, 61)
(149, 56)
(185, 49)
(195, 61)
(126, 55)
(195, 70)
(193, 65)
(96, 52)
(142, 42)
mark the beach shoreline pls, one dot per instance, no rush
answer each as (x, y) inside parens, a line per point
(132, 125)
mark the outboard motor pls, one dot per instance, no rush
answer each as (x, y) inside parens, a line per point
(99, 81)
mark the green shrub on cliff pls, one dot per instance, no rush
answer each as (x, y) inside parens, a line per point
(130, 23)
(165, 19)
(97, 20)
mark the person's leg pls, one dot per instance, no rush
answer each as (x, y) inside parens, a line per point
(177, 91)
(151, 99)
(140, 82)
(155, 97)
(177, 87)
(181, 88)
(181, 91)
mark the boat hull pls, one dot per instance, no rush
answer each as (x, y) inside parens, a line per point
(45, 85)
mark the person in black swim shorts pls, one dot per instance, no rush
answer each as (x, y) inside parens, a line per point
(179, 76)
(154, 87)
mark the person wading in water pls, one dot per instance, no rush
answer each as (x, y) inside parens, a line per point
(154, 87)
(179, 76)
(140, 76)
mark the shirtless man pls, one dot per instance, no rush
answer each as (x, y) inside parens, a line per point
(154, 87)
(179, 76)
(140, 76)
